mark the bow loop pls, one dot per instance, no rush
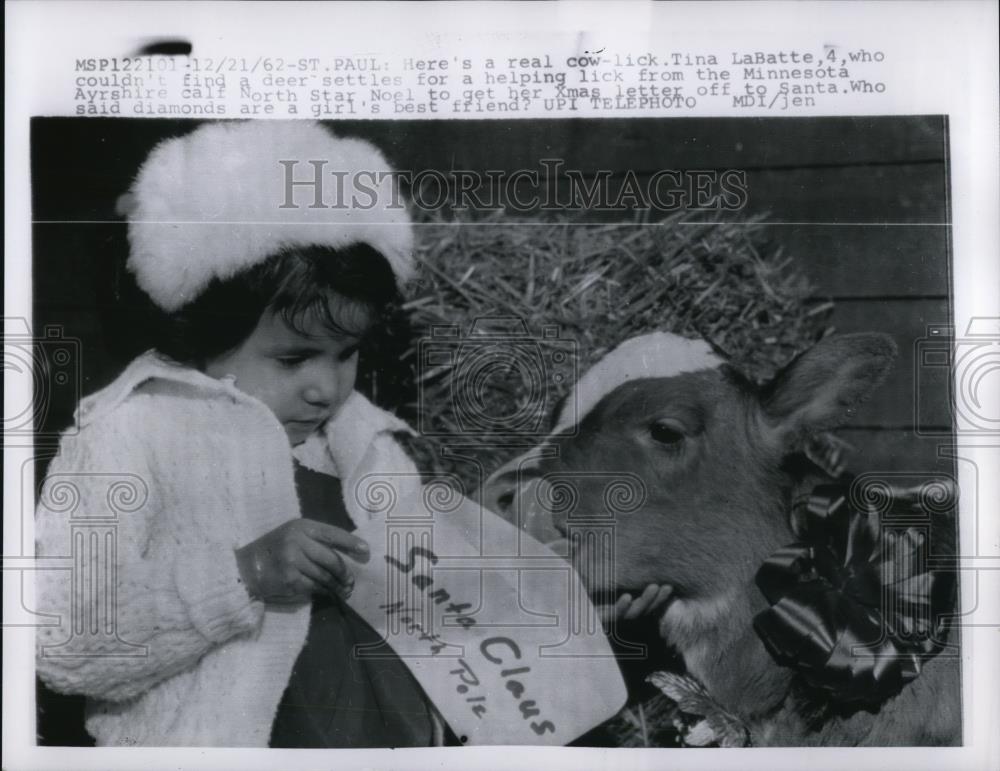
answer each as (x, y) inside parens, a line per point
(855, 607)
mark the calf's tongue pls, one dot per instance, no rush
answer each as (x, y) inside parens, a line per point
(533, 517)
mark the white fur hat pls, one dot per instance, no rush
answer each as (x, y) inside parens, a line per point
(209, 204)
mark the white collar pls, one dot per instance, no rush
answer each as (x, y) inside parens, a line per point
(355, 426)
(153, 365)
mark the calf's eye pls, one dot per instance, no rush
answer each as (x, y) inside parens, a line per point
(667, 433)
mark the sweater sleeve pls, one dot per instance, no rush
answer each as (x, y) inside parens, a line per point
(128, 607)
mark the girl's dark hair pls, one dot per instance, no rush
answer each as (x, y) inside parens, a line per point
(295, 284)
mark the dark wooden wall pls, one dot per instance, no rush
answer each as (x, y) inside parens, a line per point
(861, 204)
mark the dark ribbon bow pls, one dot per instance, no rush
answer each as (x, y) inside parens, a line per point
(855, 607)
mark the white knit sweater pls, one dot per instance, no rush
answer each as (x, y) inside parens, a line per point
(219, 474)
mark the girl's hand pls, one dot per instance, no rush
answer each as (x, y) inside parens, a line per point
(652, 598)
(299, 559)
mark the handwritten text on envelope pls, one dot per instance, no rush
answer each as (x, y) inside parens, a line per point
(497, 628)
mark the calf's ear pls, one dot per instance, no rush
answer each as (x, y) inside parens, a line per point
(823, 387)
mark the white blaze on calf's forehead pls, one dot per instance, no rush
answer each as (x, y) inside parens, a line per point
(658, 354)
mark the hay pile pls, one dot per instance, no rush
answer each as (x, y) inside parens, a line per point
(597, 285)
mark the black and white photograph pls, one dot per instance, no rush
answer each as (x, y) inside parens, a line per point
(490, 429)
(629, 338)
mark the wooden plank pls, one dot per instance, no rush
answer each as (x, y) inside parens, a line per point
(870, 261)
(913, 195)
(101, 156)
(95, 158)
(650, 144)
(911, 396)
(896, 451)
(73, 266)
(909, 193)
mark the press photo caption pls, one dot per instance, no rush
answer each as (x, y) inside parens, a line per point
(474, 86)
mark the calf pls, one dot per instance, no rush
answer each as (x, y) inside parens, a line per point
(711, 451)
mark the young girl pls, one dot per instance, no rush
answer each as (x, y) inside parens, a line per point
(227, 581)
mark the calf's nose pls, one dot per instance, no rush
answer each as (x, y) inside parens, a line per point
(500, 492)
(512, 492)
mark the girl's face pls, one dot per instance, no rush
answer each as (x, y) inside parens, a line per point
(304, 379)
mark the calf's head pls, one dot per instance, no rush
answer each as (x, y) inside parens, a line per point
(704, 451)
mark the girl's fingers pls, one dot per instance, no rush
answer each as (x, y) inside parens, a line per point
(329, 560)
(338, 538)
(608, 613)
(662, 595)
(642, 603)
(627, 608)
(622, 605)
(307, 586)
(316, 574)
